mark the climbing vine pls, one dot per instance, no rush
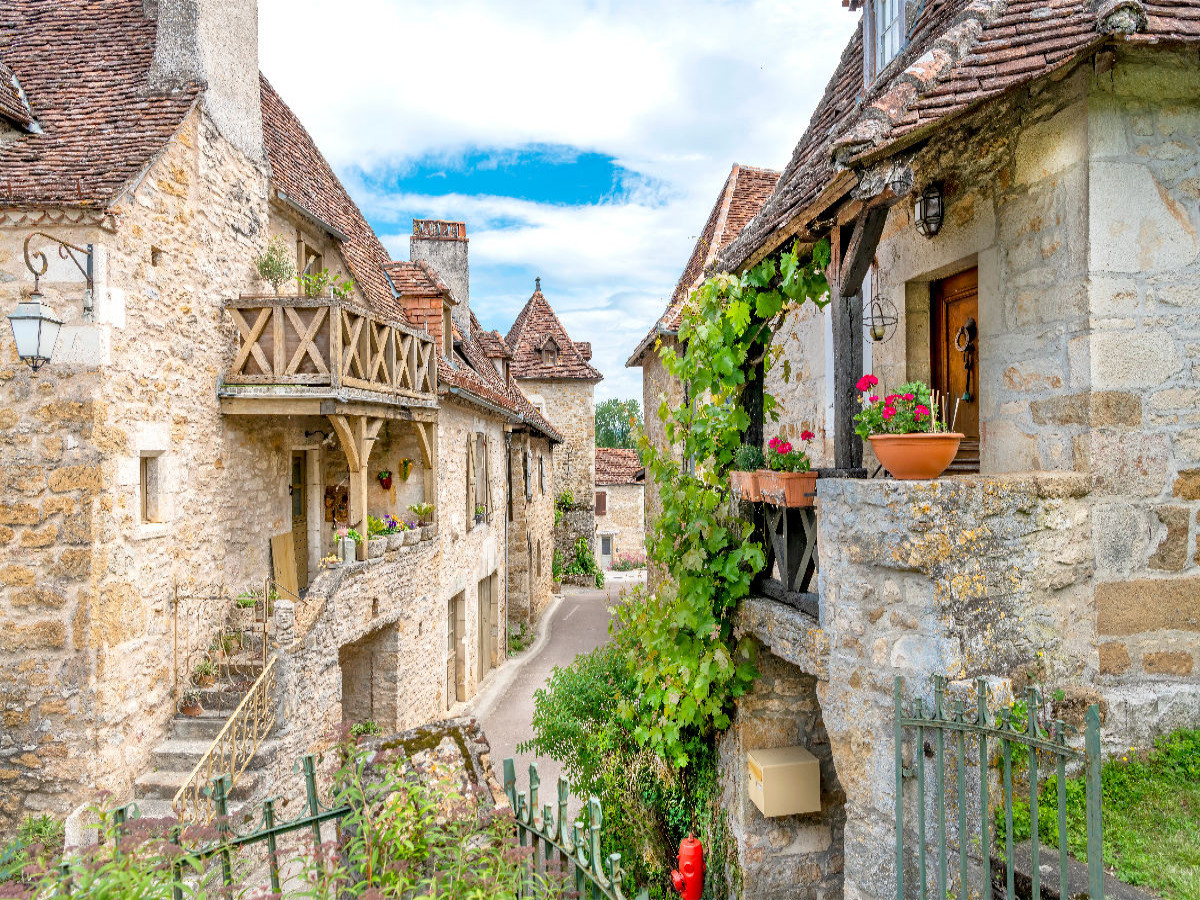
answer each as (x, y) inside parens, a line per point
(689, 665)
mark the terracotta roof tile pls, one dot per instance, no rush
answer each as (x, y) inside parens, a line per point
(616, 466)
(300, 170)
(479, 379)
(87, 84)
(960, 54)
(13, 106)
(742, 196)
(535, 326)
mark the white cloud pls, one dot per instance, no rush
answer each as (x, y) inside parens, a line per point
(676, 90)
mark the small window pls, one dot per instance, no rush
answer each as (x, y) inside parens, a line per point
(151, 489)
(538, 563)
(885, 24)
(550, 354)
(606, 546)
(601, 503)
(309, 260)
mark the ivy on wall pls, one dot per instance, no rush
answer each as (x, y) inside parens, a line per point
(689, 666)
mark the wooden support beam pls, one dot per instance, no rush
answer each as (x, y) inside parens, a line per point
(357, 435)
(860, 251)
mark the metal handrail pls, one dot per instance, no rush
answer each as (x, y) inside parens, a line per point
(233, 748)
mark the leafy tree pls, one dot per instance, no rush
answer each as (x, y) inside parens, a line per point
(618, 423)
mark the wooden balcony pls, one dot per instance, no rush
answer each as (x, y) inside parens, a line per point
(314, 356)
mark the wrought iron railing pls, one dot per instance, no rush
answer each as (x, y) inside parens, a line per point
(231, 751)
(323, 342)
(574, 847)
(963, 727)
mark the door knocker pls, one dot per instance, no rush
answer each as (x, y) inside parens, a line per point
(964, 343)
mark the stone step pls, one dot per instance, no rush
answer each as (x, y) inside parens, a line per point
(163, 785)
(183, 754)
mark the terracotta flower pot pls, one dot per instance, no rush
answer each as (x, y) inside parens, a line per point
(205, 681)
(744, 485)
(915, 457)
(193, 709)
(788, 488)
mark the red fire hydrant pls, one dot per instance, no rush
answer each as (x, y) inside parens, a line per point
(688, 879)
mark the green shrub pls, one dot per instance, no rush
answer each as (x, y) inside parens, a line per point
(748, 458)
(585, 562)
(38, 843)
(275, 265)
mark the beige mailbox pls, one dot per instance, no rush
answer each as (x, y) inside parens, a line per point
(784, 781)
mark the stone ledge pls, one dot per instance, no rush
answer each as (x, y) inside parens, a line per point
(788, 633)
(1045, 485)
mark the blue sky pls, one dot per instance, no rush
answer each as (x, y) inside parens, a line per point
(583, 142)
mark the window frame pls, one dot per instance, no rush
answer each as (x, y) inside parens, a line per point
(150, 492)
(601, 503)
(873, 64)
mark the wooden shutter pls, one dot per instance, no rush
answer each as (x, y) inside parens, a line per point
(470, 482)
(601, 503)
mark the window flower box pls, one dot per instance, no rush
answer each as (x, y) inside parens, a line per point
(792, 489)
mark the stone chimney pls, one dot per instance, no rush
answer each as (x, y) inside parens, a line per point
(213, 42)
(444, 246)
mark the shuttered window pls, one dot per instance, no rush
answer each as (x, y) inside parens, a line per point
(601, 503)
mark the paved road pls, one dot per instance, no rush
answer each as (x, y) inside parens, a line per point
(504, 707)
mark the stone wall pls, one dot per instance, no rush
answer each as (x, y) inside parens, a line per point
(472, 552)
(657, 388)
(531, 527)
(624, 518)
(791, 857)
(570, 407)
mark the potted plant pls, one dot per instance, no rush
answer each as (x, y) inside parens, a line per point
(275, 264)
(788, 479)
(908, 438)
(385, 479)
(332, 561)
(423, 512)
(480, 513)
(231, 643)
(205, 674)
(216, 649)
(412, 531)
(394, 532)
(360, 545)
(189, 703)
(406, 465)
(345, 544)
(243, 610)
(743, 477)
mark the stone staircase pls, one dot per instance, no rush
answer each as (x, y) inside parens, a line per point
(191, 736)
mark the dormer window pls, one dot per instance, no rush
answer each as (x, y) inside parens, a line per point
(550, 354)
(884, 33)
(309, 260)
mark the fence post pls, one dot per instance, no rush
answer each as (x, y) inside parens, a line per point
(221, 802)
(984, 836)
(1095, 825)
(899, 736)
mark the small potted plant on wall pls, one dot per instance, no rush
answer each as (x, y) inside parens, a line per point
(360, 545)
(385, 479)
(275, 264)
(480, 513)
(406, 465)
(788, 479)
(376, 537)
(904, 429)
(205, 674)
(189, 703)
(743, 477)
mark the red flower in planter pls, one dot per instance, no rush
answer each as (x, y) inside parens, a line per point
(806, 436)
(866, 383)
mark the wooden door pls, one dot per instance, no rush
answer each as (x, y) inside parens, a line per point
(298, 491)
(456, 650)
(485, 627)
(954, 306)
(451, 654)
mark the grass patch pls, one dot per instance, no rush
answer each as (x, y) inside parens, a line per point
(1151, 812)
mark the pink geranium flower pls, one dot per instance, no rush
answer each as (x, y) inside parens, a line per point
(888, 412)
(773, 443)
(921, 412)
(785, 447)
(806, 436)
(867, 382)
(891, 398)
(874, 398)
(909, 397)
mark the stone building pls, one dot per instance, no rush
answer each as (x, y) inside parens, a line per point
(556, 375)
(194, 435)
(1063, 141)
(620, 505)
(740, 198)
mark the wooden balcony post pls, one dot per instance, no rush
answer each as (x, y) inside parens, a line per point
(357, 435)
(335, 346)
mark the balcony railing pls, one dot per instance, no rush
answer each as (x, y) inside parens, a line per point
(323, 342)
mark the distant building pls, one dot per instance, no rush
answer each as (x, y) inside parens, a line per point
(620, 505)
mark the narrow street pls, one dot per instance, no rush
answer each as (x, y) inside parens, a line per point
(578, 624)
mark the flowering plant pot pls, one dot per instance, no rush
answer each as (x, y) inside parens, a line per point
(395, 541)
(191, 707)
(376, 547)
(745, 486)
(916, 457)
(792, 489)
(204, 681)
(385, 480)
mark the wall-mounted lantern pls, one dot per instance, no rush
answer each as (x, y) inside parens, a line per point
(929, 209)
(35, 325)
(880, 321)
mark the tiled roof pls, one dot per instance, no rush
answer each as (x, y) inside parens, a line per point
(300, 171)
(614, 466)
(492, 344)
(423, 294)
(480, 380)
(960, 54)
(741, 197)
(535, 325)
(12, 105)
(83, 65)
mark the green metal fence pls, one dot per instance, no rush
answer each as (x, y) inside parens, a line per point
(976, 729)
(578, 853)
